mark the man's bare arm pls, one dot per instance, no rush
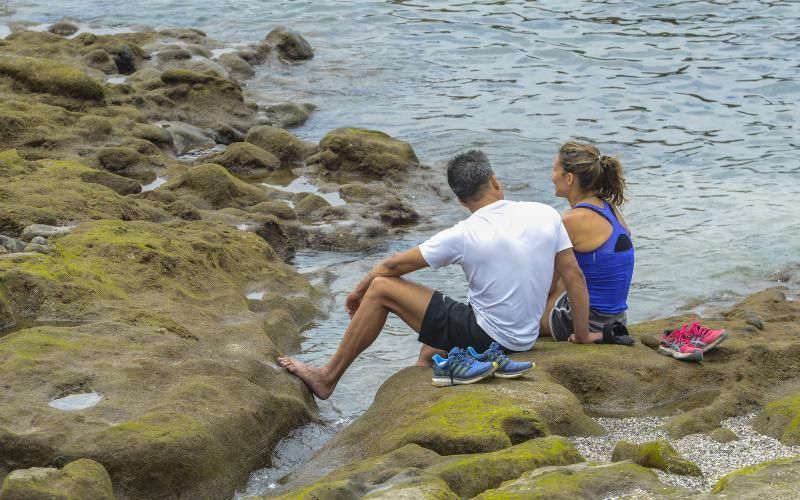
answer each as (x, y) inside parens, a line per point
(572, 276)
(393, 266)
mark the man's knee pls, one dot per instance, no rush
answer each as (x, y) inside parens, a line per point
(381, 287)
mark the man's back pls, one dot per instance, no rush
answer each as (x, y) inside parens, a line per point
(507, 250)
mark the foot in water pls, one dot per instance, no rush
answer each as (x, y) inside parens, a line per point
(314, 378)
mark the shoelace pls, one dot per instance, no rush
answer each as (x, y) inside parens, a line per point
(699, 330)
(681, 336)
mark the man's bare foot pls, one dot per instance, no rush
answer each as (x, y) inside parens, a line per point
(313, 377)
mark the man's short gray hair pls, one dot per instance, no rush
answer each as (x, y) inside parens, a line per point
(468, 174)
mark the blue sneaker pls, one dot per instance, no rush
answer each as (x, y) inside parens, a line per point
(460, 368)
(506, 368)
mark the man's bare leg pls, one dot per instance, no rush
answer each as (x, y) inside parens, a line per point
(406, 299)
(426, 352)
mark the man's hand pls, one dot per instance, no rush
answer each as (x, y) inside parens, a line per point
(352, 302)
(586, 339)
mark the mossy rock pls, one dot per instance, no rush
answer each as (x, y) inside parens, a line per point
(723, 435)
(286, 147)
(101, 60)
(278, 208)
(469, 475)
(309, 204)
(288, 114)
(214, 185)
(243, 158)
(116, 159)
(586, 480)
(178, 76)
(79, 479)
(117, 183)
(781, 420)
(363, 151)
(289, 44)
(362, 193)
(44, 75)
(413, 487)
(55, 193)
(656, 455)
(63, 28)
(239, 67)
(773, 479)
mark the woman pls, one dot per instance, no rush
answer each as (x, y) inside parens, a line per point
(594, 185)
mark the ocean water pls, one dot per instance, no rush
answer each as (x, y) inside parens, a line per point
(699, 99)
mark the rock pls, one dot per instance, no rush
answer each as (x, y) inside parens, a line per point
(775, 479)
(117, 159)
(215, 186)
(277, 208)
(590, 481)
(308, 203)
(754, 320)
(289, 45)
(99, 59)
(395, 212)
(176, 54)
(287, 148)
(44, 230)
(240, 68)
(187, 34)
(11, 244)
(243, 158)
(361, 151)
(187, 137)
(120, 185)
(781, 419)
(178, 76)
(39, 240)
(723, 435)
(362, 193)
(148, 297)
(63, 28)
(657, 455)
(288, 114)
(33, 247)
(44, 75)
(273, 233)
(79, 479)
(157, 135)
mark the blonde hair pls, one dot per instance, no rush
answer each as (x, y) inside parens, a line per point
(597, 173)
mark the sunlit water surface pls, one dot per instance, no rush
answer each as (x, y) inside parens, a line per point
(698, 99)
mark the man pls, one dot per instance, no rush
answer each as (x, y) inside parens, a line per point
(508, 250)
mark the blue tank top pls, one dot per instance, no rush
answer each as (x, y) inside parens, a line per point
(609, 268)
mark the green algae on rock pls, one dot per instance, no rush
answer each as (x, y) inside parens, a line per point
(44, 75)
(774, 479)
(657, 455)
(243, 158)
(586, 480)
(781, 420)
(362, 151)
(212, 186)
(77, 480)
(289, 149)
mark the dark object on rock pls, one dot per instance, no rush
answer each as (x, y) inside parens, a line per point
(63, 28)
(273, 233)
(754, 320)
(225, 134)
(615, 333)
(397, 213)
(125, 59)
(289, 44)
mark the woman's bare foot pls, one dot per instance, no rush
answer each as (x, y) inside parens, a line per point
(314, 378)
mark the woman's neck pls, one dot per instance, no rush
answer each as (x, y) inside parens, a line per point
(575, 198)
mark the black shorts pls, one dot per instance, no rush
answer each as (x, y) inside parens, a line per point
(448, 323)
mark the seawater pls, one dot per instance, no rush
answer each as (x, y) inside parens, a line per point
(698, 99)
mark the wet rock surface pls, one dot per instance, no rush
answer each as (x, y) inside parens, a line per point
(79, 479)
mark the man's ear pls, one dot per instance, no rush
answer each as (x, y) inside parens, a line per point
(495, 182)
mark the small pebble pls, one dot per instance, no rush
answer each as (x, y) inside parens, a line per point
(39, 240)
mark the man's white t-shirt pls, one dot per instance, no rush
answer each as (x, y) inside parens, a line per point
(507, 250)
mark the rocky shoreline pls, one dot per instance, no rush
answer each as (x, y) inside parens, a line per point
(169, 303)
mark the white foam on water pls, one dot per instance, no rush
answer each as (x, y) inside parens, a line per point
(256, 295)
(160, 181)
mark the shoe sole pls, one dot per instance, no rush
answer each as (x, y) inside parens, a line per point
(447, 381)
(716, 342)
(515, 374)
(689, 356)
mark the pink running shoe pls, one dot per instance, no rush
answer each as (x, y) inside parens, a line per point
(705, 338)
(678, 344)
